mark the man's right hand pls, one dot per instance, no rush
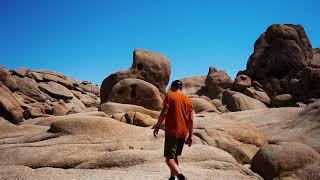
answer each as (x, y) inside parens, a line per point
(189, 141)
(155, 131)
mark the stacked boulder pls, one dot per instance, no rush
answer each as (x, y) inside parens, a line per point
(147, 66)
(286, 66)
(139, 89)
(37, 93)
(283, 70)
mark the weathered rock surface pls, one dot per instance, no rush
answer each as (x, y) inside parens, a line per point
(56, 90)
(147, 66)
(310, 80)
(315, 63)
(216, 83)
(23, 100)
(291, 124)
(218, 104)
(138, 92)
(236, 101)
(241, 83)
(35, 75)
(281, 50)
(74, 105)
(194, 85)
(51, 73)
(259, 95)
(90, 88)
(62, 81)
(21, 72)
(9, 106)
(282, 100)
(283, 62)
(111, 108)
(7, 80)
(135, 118)
(27, 100)
(59, 109)
(203, 105)
(30, 88)
(33, 112)
(151, 67)
(287, 161)
(89, 101)
(241, 140)
(95, 142)
(46, 121)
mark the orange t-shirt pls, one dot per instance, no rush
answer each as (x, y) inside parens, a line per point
(178, 115)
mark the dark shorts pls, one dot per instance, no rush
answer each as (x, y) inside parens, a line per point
(173, 147)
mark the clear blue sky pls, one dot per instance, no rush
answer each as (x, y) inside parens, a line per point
(88, 40)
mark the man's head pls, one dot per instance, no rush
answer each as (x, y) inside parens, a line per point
(175, 85)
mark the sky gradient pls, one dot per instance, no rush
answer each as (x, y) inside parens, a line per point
(88, 40)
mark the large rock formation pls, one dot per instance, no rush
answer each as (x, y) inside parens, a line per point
(284, 62)
(282, 50)
(148, 66)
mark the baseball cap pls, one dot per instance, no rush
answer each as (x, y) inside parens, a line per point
(176, 84)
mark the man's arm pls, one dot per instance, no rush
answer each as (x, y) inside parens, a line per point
(161, 118)
(190, 128)
(190, 124)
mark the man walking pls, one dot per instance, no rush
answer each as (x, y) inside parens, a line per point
(178, 115)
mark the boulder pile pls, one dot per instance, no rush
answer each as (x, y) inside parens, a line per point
(29, 93)
(283, 71)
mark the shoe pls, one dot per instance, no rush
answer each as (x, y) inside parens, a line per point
(181, 177)
(172, 178)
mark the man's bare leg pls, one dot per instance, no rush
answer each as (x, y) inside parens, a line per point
(174, 168)
(177, 161)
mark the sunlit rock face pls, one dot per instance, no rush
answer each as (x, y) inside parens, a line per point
(148, 66)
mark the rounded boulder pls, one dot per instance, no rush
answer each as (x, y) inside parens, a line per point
(287, 160)
(242, 82)
(138, 92)
(217, 82)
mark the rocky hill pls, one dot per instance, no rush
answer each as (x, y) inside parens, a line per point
(264, 124)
